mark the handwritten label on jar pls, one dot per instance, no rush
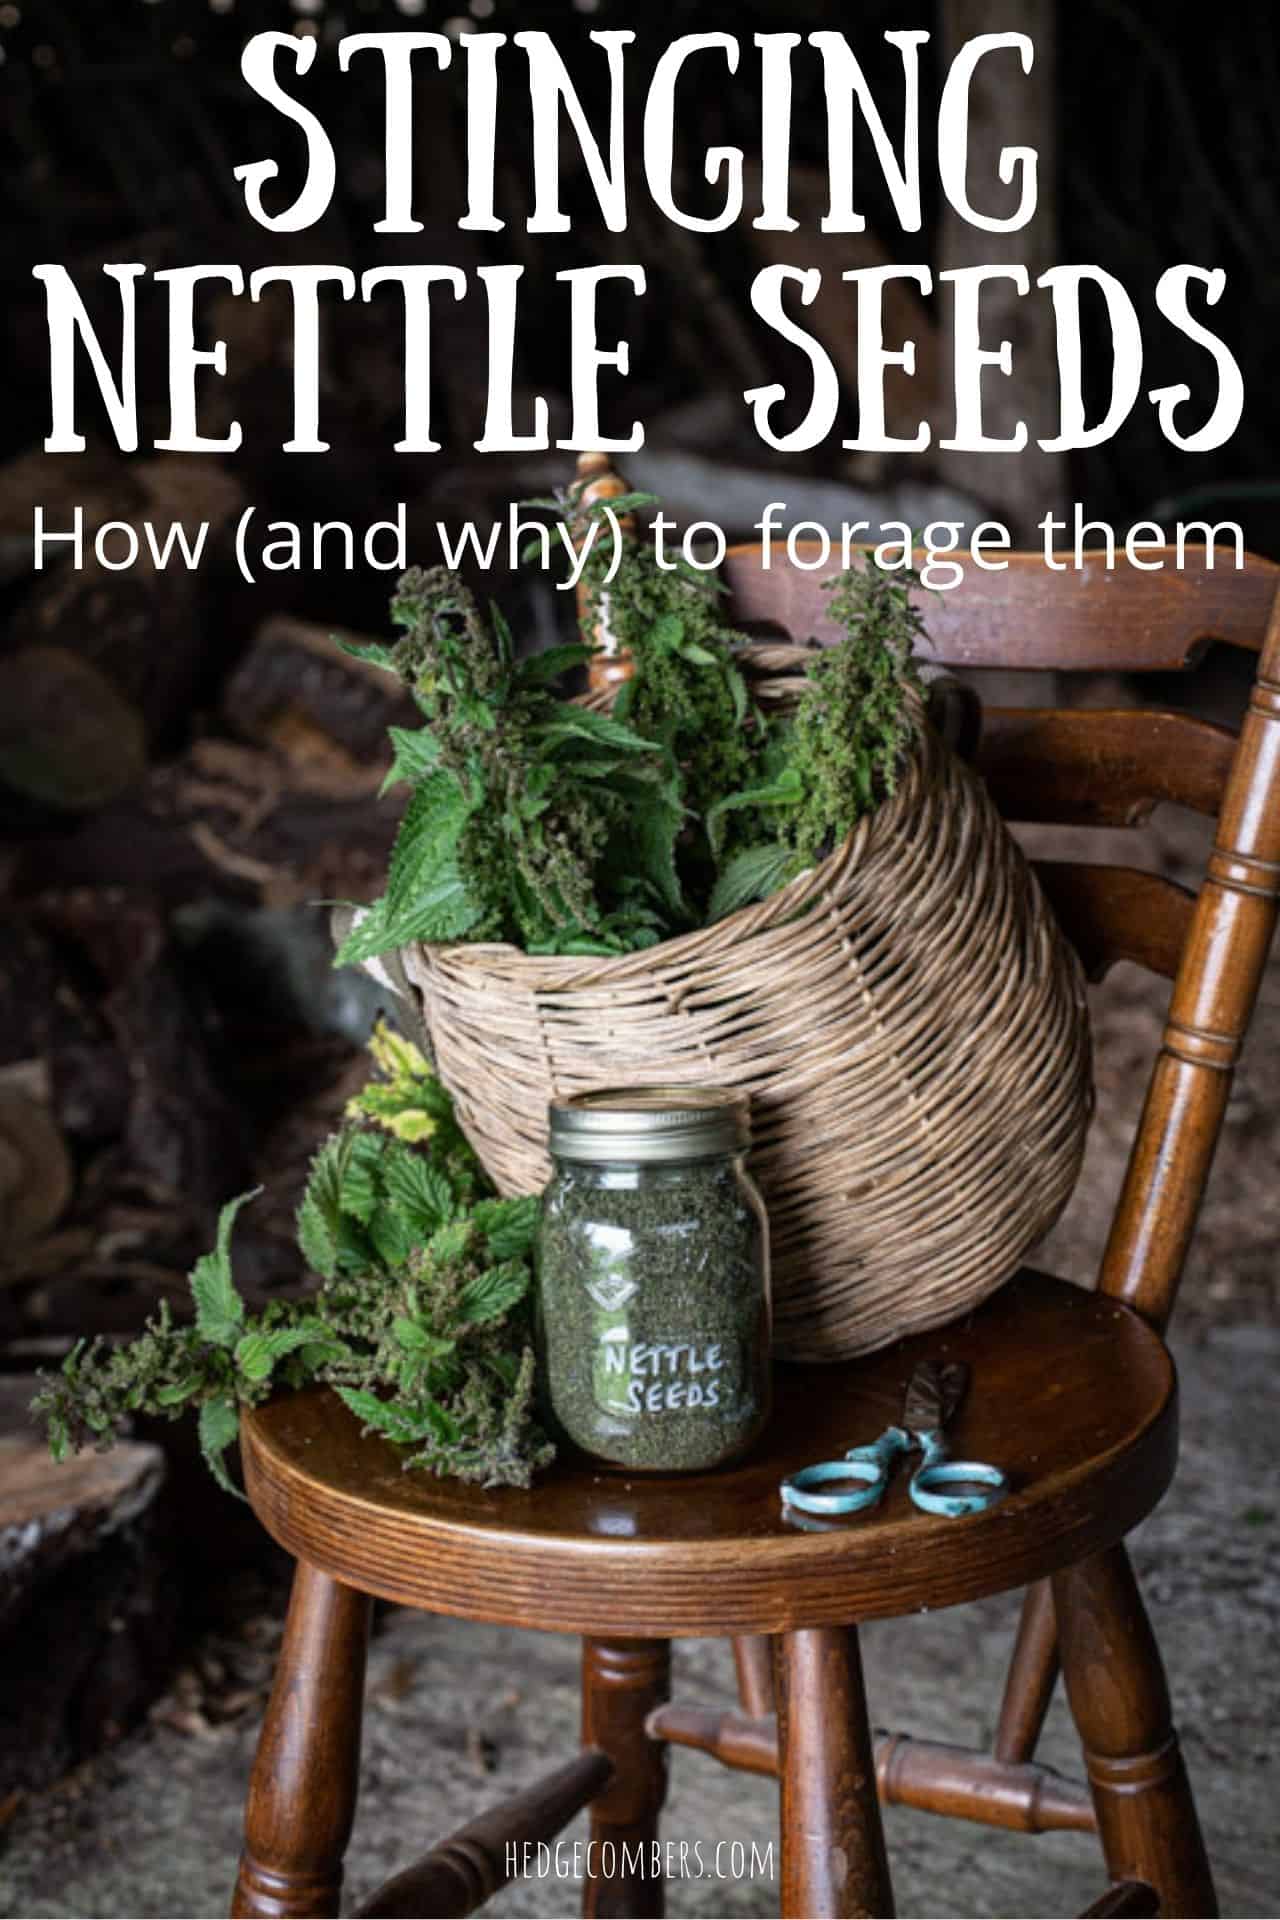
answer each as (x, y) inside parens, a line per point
(659, 1376)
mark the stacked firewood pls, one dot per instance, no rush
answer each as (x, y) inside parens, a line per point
(174, 808)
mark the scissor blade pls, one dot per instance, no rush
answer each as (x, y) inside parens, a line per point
(933, 1396)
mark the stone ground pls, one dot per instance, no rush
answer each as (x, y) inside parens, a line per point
(460, 1715)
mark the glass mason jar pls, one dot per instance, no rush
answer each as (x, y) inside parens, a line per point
(653, 1279)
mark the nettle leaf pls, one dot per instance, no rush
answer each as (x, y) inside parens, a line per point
(509, 1226)
(620, 503)
(419, 1191)
(59, 1434)
(219, 1428)
(419, 1341)
(785, 790)
(417, 754)
(493, 1292)
(545, 668)
(600, 729)
(326, 1349)
(426, 897)
(258, 1352)
(444, 910)
(356, 1254)
(392, 1419)
(315, 1235)
(753, 874)
(179, 1392)
(654, 826)
(373, 650)
(428, 835)
(477, 713)
(331, 1235)
(438, 1422)
(597, 778)
(587, 945)
(393, 1236)
(368, 936)
(361, 1161)
(450, 1242)
(404, 1064)
(219, 1308)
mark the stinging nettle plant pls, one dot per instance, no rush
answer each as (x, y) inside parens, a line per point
(566, 830)
(421, 1319)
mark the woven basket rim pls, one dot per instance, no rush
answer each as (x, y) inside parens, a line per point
(566, 972)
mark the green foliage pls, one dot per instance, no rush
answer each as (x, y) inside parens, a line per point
(764, 800)
(576, 832)
(513, 830)
(219, 1427)
(687, 691)
(421, 1318)
(836, 755)
(851, 731)
(407, 1100)
(751, 874)
(219, 1308)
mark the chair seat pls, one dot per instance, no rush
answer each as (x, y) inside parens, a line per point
(1070, 1392)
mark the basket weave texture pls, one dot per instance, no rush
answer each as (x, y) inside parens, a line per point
(909, 1022)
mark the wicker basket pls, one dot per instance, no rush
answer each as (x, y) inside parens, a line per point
(908, 1019)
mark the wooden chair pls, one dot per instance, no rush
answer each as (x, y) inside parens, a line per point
(1073, 1392)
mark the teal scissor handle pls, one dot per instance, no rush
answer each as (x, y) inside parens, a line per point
(870, 1465)
(938, 1471)
(930, 1485)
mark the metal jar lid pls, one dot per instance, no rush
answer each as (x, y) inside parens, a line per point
(649, 1124)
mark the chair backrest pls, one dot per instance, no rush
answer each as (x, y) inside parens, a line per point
(1110, 768)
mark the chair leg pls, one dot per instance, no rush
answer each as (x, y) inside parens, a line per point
(1032, 1677)
(753, 1661)
(622, 1682)
(834, 1863)
(1120, 1703)
(302, 1797)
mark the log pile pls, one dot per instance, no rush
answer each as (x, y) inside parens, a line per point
(88, 1600)
(179, 791)
(165, 990)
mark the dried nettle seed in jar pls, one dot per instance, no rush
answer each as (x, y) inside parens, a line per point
(653, 1278)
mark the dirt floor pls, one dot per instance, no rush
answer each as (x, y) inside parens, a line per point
(460, 1715)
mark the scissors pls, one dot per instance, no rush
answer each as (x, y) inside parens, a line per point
(932, 1397)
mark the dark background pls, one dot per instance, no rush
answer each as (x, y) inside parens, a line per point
(187, 766)
(123, 123)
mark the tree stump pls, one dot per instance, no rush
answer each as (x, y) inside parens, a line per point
(87, 1605)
